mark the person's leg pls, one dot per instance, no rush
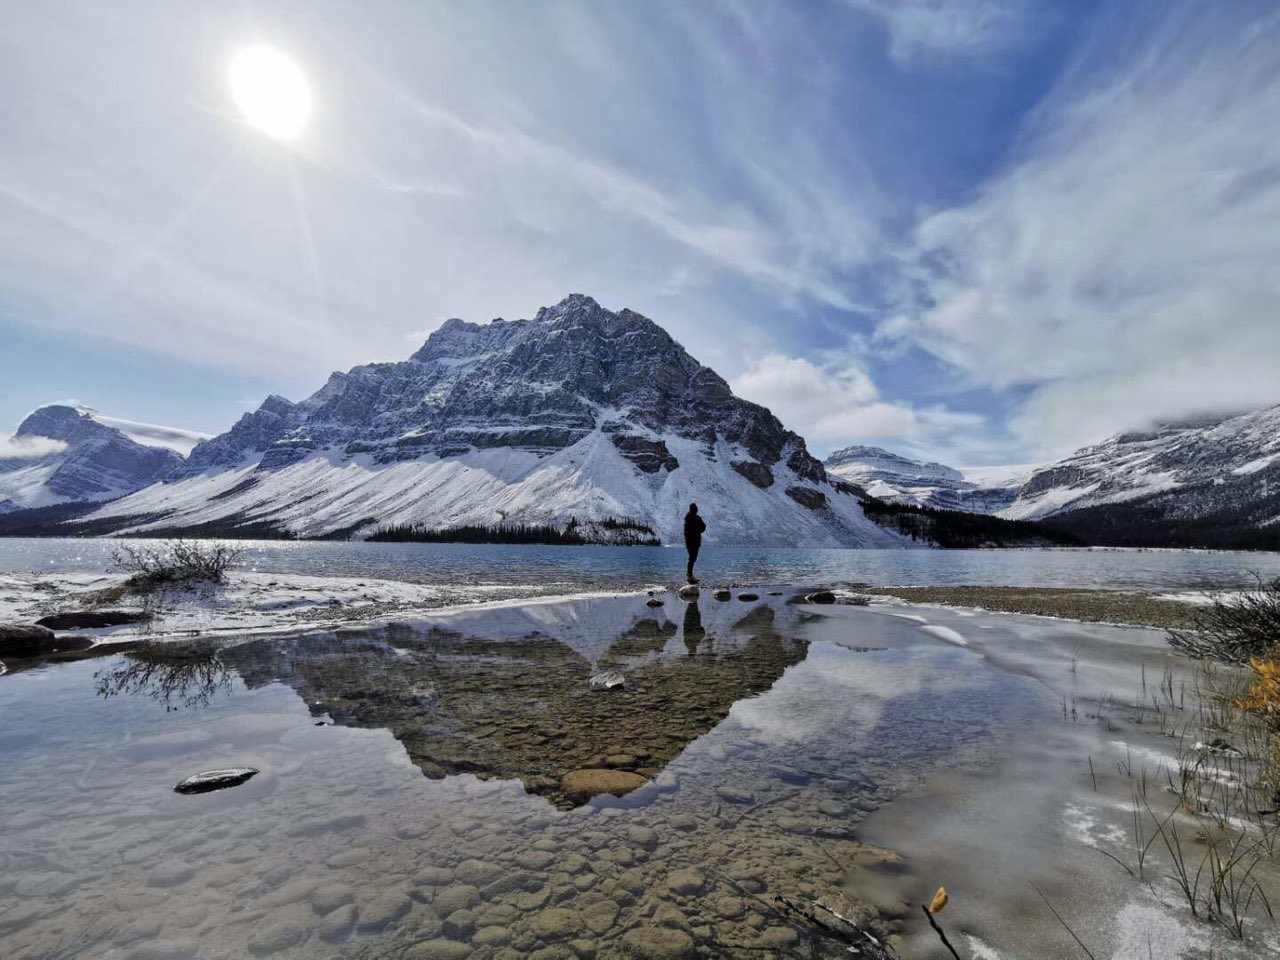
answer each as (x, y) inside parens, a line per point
(693, 558)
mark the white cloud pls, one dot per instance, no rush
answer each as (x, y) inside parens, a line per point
(920, 29)
(1123, 269)
(832, 406)
(29, 448)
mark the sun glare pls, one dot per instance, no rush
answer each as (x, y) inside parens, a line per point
(271, 91)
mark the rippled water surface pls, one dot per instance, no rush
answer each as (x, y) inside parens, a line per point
(412, 798)
(612, 567)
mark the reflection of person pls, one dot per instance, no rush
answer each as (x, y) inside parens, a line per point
(693, 632)
(693, 527)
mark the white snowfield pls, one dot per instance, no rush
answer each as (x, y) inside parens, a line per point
(590, 480)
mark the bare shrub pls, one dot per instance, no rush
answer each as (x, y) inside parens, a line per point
(1236, 629)
(175, 563)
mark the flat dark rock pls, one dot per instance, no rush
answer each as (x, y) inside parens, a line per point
(19, 640)
(90, 619)
(748, 597)
(820, 596)
(211, 780)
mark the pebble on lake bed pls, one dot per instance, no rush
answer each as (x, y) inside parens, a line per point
(211, 780)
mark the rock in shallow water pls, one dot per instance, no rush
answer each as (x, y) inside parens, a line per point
(21, 640)
(608, 680)
(653, 602)
(581, 785)
(821, 596)
(211, 780)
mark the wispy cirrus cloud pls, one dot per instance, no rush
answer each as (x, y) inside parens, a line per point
(950, 29)
(1121, 269)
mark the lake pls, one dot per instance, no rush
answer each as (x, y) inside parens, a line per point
(414, 797)
(579, 568)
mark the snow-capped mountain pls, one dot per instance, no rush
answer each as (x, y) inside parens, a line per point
(65, 454)
(579, 413)
(1225, 468)
(898, 479)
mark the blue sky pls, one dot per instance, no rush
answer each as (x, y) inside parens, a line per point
(979, 231)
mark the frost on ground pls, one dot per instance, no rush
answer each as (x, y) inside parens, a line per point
(247, 602)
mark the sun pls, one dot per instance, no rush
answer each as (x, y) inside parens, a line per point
(271, 91)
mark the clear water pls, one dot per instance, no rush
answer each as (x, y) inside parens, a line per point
(613, 567)
(425, 816)
(410, 800)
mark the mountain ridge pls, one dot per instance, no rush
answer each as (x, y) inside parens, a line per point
(581, 413)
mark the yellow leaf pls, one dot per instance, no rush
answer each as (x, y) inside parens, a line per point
(939, 900)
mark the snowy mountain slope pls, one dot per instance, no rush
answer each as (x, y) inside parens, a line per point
(898, 479)
(67, 454)
(579, 413)
(1224, 467)
(1167, 458)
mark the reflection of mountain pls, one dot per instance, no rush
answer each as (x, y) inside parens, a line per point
(462, 698)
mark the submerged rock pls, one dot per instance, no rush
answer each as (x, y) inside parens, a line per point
(91, 619)
(211, 780)
(608, 680)
(581, 785)
(657, 943)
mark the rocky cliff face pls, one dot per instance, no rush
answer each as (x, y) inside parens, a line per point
(78, 458)
(581, 412)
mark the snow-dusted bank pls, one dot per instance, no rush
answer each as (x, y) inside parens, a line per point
(252, 602)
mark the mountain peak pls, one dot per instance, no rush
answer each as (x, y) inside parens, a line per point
(574, 303)
(581, 414)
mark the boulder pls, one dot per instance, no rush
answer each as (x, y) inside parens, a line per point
(211, 780)
(808, 497)
(690, 591)
(657, 943)
(90, 619)
(757, 473)
(22, 640)
(581, 785)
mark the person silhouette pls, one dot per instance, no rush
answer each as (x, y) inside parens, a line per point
(693, 528)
